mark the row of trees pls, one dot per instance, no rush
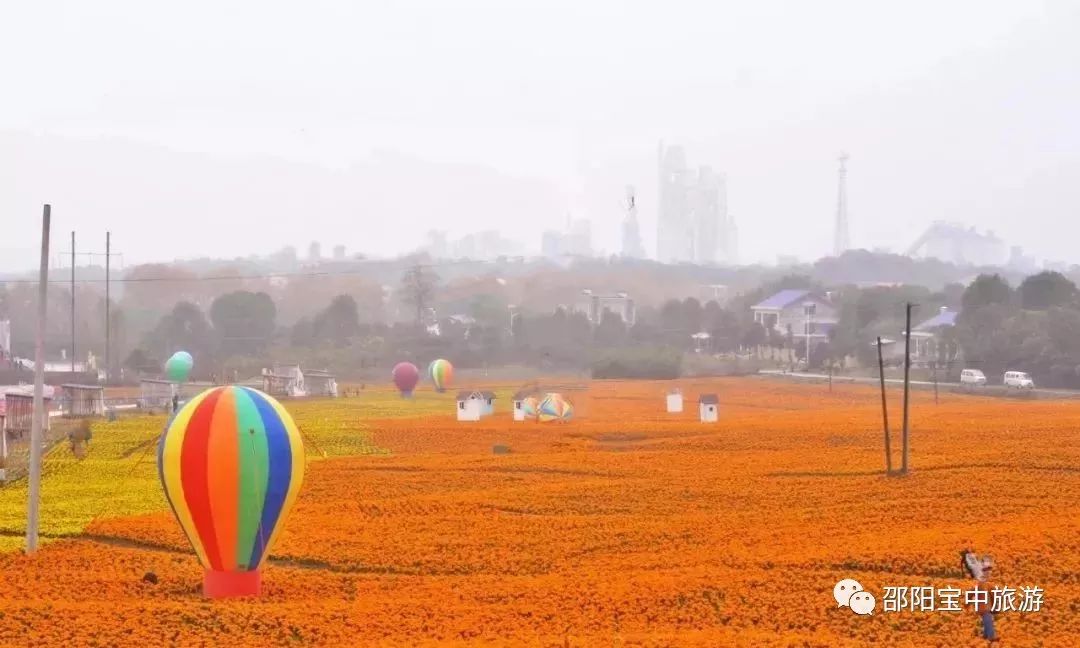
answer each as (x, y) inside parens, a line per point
(1034, 327)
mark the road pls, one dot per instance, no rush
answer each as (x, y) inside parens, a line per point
(989, 390)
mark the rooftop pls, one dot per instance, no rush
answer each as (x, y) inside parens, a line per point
(945, 317)
(782, 299)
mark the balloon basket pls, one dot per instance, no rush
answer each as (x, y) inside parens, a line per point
(230, 584)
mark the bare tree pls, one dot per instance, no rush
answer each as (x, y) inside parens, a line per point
(418, 289)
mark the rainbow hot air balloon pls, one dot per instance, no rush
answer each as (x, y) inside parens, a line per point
(441, 372)
(231, 462)
(405, 375)
(555, 408)
(178, 366)
(530, 406)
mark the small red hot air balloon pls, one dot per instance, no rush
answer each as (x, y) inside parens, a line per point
(406, 375)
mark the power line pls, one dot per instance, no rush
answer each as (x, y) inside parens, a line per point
(273, 275)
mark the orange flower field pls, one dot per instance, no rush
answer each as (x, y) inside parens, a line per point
(625, 527)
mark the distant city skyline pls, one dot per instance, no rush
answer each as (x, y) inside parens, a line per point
(373, 123)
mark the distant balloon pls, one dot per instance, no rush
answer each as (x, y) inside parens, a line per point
(178, 366)
(530, 407)
(405, 375)
(555, 408)
(442, 373)
(231, 462)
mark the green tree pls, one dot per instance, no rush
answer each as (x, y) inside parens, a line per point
(489, 310)
(1045, 290)
(244, 322)
(337, 322)
(141, 361)
(302, 333)
(184, 328)
(985, 291)
(693, 316)
(611, 331)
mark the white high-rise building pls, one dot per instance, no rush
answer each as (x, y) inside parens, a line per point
(693, 224)
(674, 226)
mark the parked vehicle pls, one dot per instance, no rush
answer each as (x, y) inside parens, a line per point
(1019, 379)
(972, 377)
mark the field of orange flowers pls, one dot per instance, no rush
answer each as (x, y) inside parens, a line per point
(630, 527)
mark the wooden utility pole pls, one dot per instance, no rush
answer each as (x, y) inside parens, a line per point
(935, 383)
(108, 367)
(36, 425)
(73, 302)
(907, 385)
(884, 409)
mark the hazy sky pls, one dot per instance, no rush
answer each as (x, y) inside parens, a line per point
(958, 110)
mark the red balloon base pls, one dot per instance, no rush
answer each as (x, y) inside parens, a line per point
(228, 584)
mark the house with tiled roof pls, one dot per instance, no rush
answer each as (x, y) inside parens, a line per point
(926, 337)
(800, 313)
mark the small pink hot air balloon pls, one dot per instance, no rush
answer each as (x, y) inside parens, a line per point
(405, 375)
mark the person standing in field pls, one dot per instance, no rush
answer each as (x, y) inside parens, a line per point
(981, 571)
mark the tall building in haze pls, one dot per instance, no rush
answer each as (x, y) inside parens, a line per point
(841, 239)
(674, 229)
(693, 224)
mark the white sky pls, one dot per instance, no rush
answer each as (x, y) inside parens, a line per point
(964, 110)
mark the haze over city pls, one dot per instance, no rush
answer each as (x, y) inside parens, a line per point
(367, 125)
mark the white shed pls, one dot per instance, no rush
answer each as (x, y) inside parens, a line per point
(156, 394)
(709, 407)
(470, 406)
(82, 400)
(320, 382)
(674, 401)
(519, 406)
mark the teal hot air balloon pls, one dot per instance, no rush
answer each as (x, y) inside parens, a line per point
(178, 366)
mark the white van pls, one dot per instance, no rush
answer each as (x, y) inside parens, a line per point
(972, 377)
(1019, 379)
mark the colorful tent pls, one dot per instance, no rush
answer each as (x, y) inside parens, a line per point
(441, 373)
(231, 462)
(555, 408)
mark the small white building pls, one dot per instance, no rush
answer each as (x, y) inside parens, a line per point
(674, 401)
(709, 408)
(284, 381)
(470, 405)
(156, 394)
(519, 406)
(489, 403)
(82, 400)
(321, 383)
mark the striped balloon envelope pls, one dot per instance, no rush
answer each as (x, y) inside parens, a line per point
(231, 462)
(529, 407)
(555, 408)
(441, 373)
